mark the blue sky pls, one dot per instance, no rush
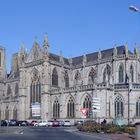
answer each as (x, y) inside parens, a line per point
(73, 26)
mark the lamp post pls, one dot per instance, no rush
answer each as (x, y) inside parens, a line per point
(134, 9)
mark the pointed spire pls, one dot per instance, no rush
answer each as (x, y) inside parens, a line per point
(84, 59)
(99, 54)
(46, 47)
(46, 44)
(115, 50)
(23, 49)
(61, 58)
(136, 50)
(126, 51)
(70, 61)
(36, 45)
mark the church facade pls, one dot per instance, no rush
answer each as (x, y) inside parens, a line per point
(43, 85)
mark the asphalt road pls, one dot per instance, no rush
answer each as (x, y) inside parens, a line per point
(43, 133)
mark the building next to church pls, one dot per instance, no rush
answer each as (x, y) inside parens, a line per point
(44, 85)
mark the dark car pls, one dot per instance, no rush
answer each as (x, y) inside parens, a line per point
(12, 123)
(33, 122)
(55, 123)
(3, 123)
(23, 123)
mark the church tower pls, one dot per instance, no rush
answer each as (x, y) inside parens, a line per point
(2, 63)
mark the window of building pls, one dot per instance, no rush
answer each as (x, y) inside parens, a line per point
(66, 78)
(7, 113)
(119, 109)
(87, 104)
(121, 74)
(71, 108)
(138, 107)
(15, 113)
(107, 74)
(16, 89)
(56, 109)
(77, 77)
(35, 91)
(54, 78)
(132, 73)
(91, 76)
(9, 91)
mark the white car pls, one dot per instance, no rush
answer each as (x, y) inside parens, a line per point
(67, 123)
(41, 123)
(50, 123)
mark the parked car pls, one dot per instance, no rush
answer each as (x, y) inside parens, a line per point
(12, 123)
(41, 123)
(3, 123)
(33, 122)
(67, 123)
(50, 123)
(61, 123)
(23, 123)
(80, 122)
(55, 123)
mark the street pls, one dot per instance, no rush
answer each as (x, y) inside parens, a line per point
(43, 133)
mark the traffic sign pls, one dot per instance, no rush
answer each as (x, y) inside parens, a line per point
(84, 111)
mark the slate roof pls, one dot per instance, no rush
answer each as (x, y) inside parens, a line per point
(90, 57)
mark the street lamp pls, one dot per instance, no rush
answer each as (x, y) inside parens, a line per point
(134, 8)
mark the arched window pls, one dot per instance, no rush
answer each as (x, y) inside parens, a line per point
(87, 104)
(119, 106)
(56, 109)
(66, 78)
(71, 108)
(16, 89)
(7, 113)
(9, 91)
(77, 77)
(121, 74)
(138, 107)
(132, 73)
(15, 113)
(91, 76)
(54, 78)
(35, 91)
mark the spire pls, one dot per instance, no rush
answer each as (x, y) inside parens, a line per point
(46, 44)
(126, 51)
(84, 59)
(99, 55)
(61, 58)
(114, 52)
(46, 47)
(70, 61)
(136, 51)
(23, 49)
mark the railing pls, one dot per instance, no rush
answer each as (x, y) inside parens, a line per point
(81, 88)
(126, 86)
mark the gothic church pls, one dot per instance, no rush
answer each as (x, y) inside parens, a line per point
(43, 85)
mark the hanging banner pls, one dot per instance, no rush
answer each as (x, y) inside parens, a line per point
(36, 110)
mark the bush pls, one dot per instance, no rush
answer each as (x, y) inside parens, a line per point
(130, 130)
(106, 128)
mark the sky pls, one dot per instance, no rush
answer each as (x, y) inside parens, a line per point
(74, 27)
